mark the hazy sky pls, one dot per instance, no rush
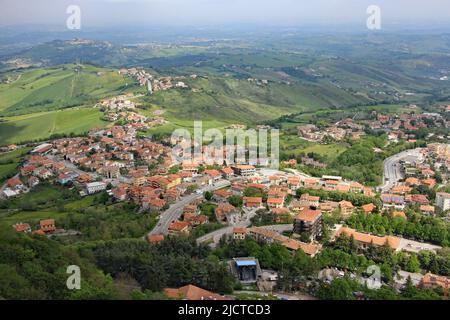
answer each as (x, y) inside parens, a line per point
(208, 12)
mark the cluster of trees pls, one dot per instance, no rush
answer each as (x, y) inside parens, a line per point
(108, 222)
(265, 218)
(416, 227)
(172, 263)
(255, 192)
(34, 267)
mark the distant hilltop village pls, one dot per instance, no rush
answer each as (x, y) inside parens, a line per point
(154, 84)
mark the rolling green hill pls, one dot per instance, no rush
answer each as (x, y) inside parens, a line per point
(58, 87)
(42, 125)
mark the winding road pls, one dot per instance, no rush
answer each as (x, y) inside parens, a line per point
(175, 211)
(392, 168)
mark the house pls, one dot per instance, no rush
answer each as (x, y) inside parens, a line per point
(365, 239)
(368, 208)
(27, 170)
(110, 172)
(253, 202)
(401, 189)
(308, 201)
(329, 206)
(270, 236)
(191, 209)
(179, 227)
(430, 183)
(8, 193)
(95, 187)
(275, 202)
(22, 227)
(215, 175)
(15, 184)
(65, 178)
(356, 187)
(192, 293)
(412, 181)
(196, 220)
(156, 204)
(281, 215)
(155, 238)
(427, 209)
(244, 170)
(346, 208)
(417, 198)
(239, 233)
(33, 181)
(227, 213)
(294, 182)
(430, 281)
(309, 221)
(42, 173)
(443, 201)
(120, 193)
(221, 195)
(47, 226)
(393, 201)
(227, 173)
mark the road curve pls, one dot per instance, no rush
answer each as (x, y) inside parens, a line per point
(175, 210)
(392, 170)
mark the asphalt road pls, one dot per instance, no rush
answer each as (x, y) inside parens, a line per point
(392, 169)
(175, 211)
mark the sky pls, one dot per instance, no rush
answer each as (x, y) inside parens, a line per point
(108, 13)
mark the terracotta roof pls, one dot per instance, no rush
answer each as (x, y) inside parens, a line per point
(309, 215)
(155, 238)
(394, 242)
(178, 225)
(227, 171)
(239, 230)
(245, 167)
(21, 227)
(368, 207)
(252, 200)
(280, 211)
(275, 201)
(347, 204)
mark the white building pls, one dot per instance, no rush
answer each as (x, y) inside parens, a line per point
(95, 187)
(443, 200)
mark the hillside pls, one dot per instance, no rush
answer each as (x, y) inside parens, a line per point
(59, 87)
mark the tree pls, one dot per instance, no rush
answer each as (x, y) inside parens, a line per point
(339, 289)
(208, 195)
(413, 264)
(236, 201)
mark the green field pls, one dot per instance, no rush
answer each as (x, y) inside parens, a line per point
(293, 145)
(59, 87)
(10, 161)
(42, 125)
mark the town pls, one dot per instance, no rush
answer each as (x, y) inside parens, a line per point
(243, 201)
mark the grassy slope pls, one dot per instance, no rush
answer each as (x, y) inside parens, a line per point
(58, 87)
(7, 168)
(43, 125)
